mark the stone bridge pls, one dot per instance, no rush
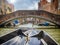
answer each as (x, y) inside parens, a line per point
(54, 18)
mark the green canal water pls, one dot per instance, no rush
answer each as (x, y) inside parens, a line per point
(54, 33)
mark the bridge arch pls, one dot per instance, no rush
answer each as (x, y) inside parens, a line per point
(54, 18)
(49, 20)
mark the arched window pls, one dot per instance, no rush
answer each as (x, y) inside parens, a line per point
(9, 9)
(1, 11)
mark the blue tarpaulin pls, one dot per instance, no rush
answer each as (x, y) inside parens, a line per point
(16, 21)
(46, 24)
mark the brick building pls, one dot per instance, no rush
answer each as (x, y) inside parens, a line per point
(51, 6)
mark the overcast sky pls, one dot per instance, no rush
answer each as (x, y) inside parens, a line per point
(25, 4)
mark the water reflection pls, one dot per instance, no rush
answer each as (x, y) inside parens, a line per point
(34, 41)
(18, 41)
(24, 41)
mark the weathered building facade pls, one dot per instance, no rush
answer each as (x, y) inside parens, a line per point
(5, 7)
(51, 6)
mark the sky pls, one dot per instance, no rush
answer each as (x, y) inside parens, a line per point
(25, 4)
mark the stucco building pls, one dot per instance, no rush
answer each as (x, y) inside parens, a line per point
(5, 7)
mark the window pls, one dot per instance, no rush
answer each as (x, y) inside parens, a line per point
(9, 9)
(53, 0)
(1, 11)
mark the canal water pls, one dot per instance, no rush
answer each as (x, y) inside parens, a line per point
(24, 41)
(19, 41)
(32, 40)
